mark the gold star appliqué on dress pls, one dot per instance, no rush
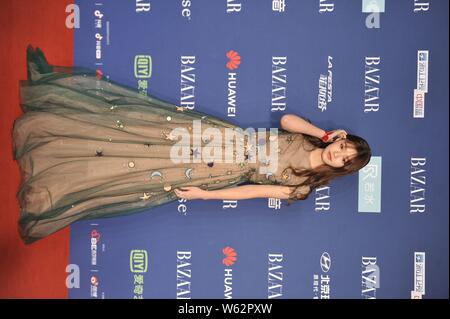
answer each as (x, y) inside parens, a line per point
(145, 197)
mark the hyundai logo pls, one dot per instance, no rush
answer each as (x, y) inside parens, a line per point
(325, 262)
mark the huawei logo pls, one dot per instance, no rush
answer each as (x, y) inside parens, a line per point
(234, 60)
(230, 256)
(98, 74)
(95, 234)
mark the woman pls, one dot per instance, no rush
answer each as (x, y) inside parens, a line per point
(90, 148)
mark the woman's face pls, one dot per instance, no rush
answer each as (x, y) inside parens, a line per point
(338, 153)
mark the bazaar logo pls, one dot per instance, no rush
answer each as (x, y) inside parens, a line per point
(230, 256)
(234, 60)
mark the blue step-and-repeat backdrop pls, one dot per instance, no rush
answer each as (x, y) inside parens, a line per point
(377, 69)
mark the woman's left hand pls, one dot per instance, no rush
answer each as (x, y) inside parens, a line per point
(190, 192)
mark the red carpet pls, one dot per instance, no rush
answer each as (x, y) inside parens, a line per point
(36, 270)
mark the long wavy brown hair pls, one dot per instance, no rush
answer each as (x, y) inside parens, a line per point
(323, 174)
